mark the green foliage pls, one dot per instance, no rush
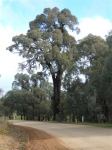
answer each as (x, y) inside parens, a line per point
(106, 88)
(109, 39)
(32, 101)
(21, 81)
(76, 101)
(93, 50)
(48, 43)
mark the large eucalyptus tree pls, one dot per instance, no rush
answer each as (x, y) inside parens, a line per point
(48, 43)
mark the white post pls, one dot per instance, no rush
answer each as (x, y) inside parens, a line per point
(82, 119)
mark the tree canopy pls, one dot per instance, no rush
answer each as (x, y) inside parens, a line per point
(48, 43)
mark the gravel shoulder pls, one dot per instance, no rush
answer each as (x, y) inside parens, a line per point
(75, 137)
(41, 140)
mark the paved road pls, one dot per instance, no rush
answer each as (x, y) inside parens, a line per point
(76, 137)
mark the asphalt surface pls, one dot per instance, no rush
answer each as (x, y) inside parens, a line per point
(76, 137)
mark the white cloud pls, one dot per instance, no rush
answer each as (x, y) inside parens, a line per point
(8, 61)
(97, 26)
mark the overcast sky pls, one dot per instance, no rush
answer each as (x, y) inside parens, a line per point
(95, 16)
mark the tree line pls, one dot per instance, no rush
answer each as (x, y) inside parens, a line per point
(69, 98)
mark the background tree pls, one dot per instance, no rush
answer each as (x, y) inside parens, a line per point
(21, 102)
(21, 81)
(93, 51)
(105, 89)
(76, 101)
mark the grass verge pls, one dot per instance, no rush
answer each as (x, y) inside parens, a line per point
(12, 133)
(102, 125)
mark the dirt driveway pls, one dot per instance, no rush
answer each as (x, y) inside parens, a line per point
(76, 137)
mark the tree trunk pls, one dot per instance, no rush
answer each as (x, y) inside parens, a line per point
(38, 116)
(21, 117)
(73, 117)
(33, 112)
(56, 94)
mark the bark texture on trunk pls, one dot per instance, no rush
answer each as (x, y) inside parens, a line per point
(56, 94)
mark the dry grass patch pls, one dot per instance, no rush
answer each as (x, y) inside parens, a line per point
(11, 137)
